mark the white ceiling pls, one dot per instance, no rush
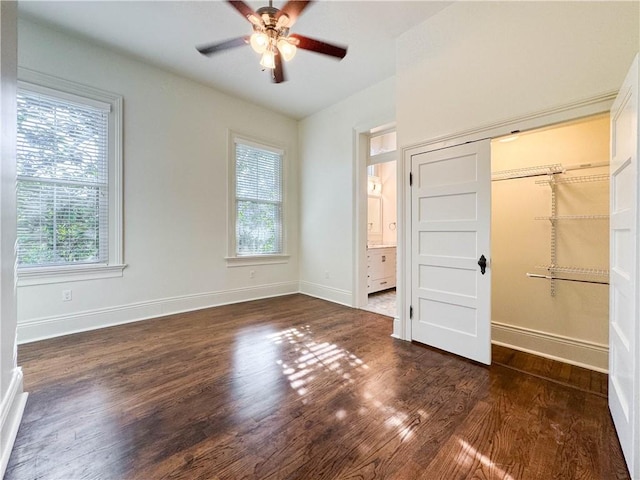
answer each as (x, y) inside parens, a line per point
(165, 33)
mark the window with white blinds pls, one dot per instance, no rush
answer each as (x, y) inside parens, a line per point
(258, 199)
(63, 180)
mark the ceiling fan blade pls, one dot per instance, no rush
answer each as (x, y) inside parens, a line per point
(278, 72)
(217, 47)
(292, 9)
(318, 46)
(244, 9)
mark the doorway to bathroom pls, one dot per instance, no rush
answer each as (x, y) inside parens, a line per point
(381, 222)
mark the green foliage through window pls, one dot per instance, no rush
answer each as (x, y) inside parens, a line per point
(62, 181)
(258, 201)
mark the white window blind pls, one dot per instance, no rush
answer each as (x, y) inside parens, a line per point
(63, 181)
(258, 200)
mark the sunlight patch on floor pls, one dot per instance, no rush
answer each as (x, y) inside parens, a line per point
(469, 454)
(312, 359)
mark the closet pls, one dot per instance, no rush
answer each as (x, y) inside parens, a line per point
(550, 241)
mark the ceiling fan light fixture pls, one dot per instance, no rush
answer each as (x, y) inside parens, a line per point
(259, 42)
(268, 59)
(270, 36)
(254, 19)
(287, 49)
(283, 21)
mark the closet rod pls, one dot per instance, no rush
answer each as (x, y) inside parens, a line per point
(548, 277)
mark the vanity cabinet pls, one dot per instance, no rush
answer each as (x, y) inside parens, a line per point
(381, 268)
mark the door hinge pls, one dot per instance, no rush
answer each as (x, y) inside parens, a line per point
(410, 312)
(410, 179)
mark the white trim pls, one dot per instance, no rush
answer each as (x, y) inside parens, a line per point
(72, 273)
(51, 84)
(240, 139)
(257, 260)
(323, 292)
(72, 98)
(543, 118)
(396, 328)
(583, 353)
(234, 138)
(116, 187)
(11, 411)
(385, 157)
(360, 143)
(359, 216)
(60, 88)
(54, 326)
(403, 251)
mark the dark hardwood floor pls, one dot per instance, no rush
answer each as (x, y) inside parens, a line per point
(563, 373)
(297, 388)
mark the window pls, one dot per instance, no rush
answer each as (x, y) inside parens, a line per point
(258, 199)
(382, 145)
(68, 183)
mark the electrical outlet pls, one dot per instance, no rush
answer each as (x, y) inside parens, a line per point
(252, 274)
(66, 295)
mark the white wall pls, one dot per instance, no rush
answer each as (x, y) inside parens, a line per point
(12, 399)
(328, 149)
(175, 194)
(476, 63)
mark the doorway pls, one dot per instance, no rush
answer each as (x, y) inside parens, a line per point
(550, 242)
(550, 196)
(381, 266)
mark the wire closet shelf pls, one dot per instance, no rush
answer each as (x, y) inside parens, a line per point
(554, 175)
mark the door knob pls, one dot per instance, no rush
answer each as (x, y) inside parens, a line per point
(483, 264)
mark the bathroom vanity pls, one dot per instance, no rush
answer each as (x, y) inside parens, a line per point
(381, 267)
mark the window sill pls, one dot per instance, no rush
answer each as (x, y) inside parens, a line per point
(256, 260)
(76, 273)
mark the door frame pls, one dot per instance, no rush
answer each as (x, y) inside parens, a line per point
(544, 118)
(359, 296)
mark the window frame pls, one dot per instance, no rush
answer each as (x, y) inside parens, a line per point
(383, 157)
(232, 258)
(77, 93)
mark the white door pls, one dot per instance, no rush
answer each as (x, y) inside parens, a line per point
(624, 376)
(450, 228)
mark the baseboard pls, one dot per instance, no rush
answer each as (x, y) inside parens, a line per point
(331, 294)
(396, 328)
(11, 410)
(591, 355)
(55, 326)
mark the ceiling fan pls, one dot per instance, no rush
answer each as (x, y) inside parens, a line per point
(271, 36)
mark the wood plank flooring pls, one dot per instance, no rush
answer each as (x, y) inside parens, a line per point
(296, 388)
(563, 373)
